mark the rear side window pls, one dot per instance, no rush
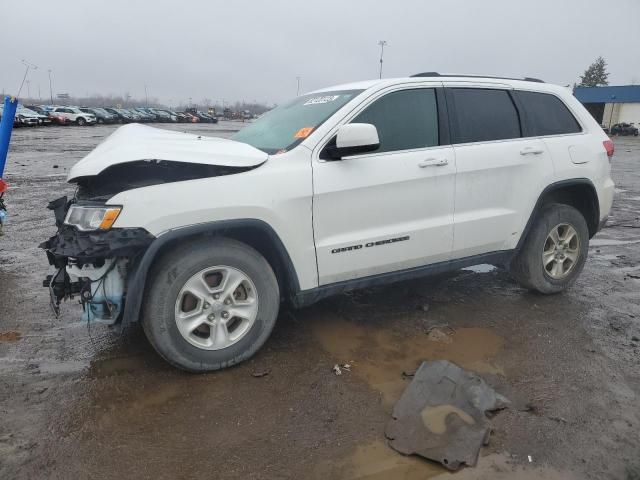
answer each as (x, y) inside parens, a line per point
(546, 114)
(483, 115)
(405, 120)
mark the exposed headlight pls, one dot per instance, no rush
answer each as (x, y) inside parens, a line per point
(92, 218)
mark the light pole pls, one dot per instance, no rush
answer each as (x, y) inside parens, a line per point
(28, 82)
(26, 71)
(146, 97)
(298, 87)
(382, 44)
(50, 87)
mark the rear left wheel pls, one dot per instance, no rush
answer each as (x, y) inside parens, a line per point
(554, 251)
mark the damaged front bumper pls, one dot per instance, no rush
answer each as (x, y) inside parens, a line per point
(93, 265)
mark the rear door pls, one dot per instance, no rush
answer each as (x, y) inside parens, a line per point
(391, 209)
(547, 117)
(499, 173)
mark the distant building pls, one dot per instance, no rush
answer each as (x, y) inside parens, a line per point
(611, 105)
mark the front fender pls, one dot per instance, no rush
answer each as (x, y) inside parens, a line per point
(137, 277)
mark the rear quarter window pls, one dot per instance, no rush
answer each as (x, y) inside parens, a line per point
(482, 115)
(546, 114)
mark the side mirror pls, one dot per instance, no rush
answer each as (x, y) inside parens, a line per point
(352, 139)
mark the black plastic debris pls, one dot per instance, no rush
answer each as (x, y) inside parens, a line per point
(442, 415)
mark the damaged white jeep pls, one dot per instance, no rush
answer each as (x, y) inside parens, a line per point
(201, 239)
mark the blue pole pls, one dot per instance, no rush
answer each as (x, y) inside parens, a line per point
(6, 126)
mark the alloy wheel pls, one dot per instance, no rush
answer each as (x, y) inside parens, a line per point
(561, 251)
(216, 307)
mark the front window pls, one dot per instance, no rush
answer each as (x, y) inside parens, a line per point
(286, 126)
(405, 120)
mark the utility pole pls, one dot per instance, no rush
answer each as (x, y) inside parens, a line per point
(26, 71)
(382, 44)
(50, 87)
(298, 87)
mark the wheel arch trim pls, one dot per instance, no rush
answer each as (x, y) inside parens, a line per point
(550, 189)
(137, 277)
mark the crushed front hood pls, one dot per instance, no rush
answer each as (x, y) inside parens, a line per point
(136, 142)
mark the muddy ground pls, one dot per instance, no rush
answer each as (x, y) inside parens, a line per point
(79, 401)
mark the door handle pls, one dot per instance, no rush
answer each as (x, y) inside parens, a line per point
(531, 151)
(433, 162)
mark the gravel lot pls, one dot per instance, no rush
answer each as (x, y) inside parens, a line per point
(79, 401)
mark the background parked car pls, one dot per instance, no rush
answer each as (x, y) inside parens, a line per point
(133, 114)
(181, 117)
(191, 118)
(167, 116)
(26, 117)
(59, 119)
(122, 115)
(102, 116)
(44, 114)
(144, 115)
(76, 115)
(43, 120)
(16, 122)
(624, 129)
(205, 117)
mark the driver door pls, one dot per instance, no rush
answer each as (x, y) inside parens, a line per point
(391, 209)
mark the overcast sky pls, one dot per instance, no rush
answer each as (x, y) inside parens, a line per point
(253, 50)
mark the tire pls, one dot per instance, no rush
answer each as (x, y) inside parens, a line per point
(170, 277)
(528, 265)
(81, 121)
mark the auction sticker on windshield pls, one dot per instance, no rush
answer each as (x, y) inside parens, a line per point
(319, 100)
(303, 132)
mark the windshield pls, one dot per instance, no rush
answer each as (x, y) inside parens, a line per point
(286, 126)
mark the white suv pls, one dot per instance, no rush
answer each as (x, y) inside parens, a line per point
(347, 187)
(75, 115)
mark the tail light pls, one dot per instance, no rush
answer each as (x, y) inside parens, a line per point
(608, 146)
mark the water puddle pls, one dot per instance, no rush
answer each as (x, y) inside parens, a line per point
(606, 242)
(503, 467)
(482, 268)
(377, 461)
(435, 418)
(10, 336)
(60, 368)
(380, 356)
(115, 366)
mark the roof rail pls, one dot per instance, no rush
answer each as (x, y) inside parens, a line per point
(436, 74)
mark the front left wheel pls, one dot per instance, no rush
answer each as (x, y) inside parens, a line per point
(210, 304)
